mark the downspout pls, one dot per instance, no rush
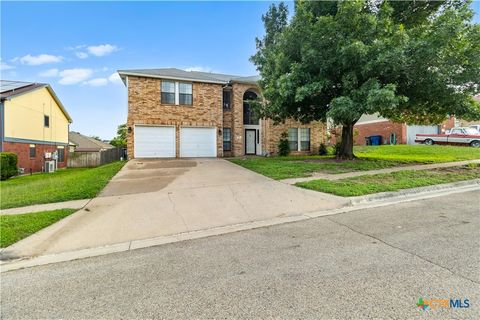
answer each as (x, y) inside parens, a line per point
(2, 124)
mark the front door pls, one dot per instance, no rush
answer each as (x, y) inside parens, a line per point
(250, 141)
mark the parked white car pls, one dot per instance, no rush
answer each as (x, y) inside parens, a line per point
(455, 136)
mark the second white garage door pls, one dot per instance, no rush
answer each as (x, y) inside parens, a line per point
(154, 142)
(198, 142)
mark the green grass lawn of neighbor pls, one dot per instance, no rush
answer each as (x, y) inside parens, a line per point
(369, 158)
(18, 226)
(418, 153)
(367, 184)
(62, 185)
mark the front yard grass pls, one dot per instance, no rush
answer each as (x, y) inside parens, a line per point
(16, 227)
(367, 184)
(63, 185)
(294, 167)
(369, 158)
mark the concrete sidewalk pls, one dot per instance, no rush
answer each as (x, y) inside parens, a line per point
(370, 172)
(154, 198)
(74, 204)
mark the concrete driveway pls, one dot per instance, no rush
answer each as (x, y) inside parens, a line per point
(151, 198)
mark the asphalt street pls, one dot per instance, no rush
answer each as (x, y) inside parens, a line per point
(371, 263)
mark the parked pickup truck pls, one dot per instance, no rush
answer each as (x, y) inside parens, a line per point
(454, 136)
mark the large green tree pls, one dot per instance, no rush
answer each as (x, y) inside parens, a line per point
(409, 61)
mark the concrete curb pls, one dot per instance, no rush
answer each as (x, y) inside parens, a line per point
(440, 190)
(413, 191)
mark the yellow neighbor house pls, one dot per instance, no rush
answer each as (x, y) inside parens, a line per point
(34, 124)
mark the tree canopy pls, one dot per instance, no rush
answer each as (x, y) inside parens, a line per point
(409, 61)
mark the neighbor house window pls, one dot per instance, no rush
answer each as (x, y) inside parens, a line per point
(227, 139)
(33, 151)
(61, 154)
(227, 97)
(46, 121)
(304, 139)
(293, 139)
(299, 139)
(185, 93)
(168, 92)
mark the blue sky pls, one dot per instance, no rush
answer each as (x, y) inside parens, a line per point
(78, 46)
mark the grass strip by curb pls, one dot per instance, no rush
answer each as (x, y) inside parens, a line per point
(368, 184)
(15, 227)
(62, 185)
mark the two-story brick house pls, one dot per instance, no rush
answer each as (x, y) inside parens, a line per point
(177, 113)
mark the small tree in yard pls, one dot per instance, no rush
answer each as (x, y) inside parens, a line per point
(409, 61)
(121, 139)
(283, 146)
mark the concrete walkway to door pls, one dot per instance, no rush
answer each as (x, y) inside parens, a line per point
(151, 198)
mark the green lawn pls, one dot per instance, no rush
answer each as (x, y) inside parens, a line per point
(394, 181)
(16, 227)
(369, 158)
(63, 185)
(418, 153)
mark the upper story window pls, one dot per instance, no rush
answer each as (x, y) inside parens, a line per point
(174, 92)
(46, 121)
(168, 92)
(249, 116)
(185, 93)
(227, 99)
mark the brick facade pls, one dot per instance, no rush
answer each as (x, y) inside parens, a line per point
(145, 107)
(273, 132)
(36, 164)
(384, 128)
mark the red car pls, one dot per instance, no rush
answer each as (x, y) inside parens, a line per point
(456, 136)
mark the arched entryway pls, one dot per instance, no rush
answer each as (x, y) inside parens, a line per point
(251, 124)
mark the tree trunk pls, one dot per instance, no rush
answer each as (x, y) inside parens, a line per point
(346, 146)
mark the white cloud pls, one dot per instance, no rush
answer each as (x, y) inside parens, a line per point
(102, 49)
(73, 76)
(97, 82)
(49, 73)
(4, 66)
(81, 55)
(40, 59)
(115, 78)
(199, 68)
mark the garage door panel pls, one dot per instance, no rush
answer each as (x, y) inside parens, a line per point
(413, 130)
(198, 142)
(154, 142)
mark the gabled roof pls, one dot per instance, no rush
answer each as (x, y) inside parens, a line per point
(178, 74)
(10, 89)
(84, 143)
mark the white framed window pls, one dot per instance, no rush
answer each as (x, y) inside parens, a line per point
(178, 93)
(168, 92)
(299, 139)
(185, 95)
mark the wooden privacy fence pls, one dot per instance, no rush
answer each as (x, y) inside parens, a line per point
(81, 159)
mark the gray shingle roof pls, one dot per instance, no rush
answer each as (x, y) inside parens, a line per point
(84, 143)
(10, 89)
(174, 74)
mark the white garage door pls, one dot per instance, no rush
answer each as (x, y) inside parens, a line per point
(198, 142)
(154, 142)
(412, 131)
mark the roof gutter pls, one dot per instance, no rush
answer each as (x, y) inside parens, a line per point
(123, 74)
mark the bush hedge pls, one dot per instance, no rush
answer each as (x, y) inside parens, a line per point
(283, 146)
(8, 163)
